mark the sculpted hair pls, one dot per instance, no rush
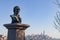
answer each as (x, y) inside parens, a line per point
(16, 8)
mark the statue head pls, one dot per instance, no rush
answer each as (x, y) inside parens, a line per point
(16, 10)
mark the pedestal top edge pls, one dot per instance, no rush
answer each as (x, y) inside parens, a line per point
(18, 24)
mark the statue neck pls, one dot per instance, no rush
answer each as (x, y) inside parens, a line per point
(16, 14)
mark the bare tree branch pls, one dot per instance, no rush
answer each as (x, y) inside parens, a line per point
(57, 3)
(57, 17)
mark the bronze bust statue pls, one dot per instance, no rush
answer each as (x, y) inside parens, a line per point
(15, 17)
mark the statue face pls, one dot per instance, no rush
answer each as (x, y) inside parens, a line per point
(16, 10)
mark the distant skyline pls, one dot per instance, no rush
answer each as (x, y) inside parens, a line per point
(39, 14)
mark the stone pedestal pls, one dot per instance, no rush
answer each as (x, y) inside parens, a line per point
(16, 31)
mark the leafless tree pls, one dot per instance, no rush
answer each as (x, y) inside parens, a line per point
(57, 17)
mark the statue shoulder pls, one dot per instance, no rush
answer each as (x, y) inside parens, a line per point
(11, 15)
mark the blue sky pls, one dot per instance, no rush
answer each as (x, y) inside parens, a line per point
(39, 14)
